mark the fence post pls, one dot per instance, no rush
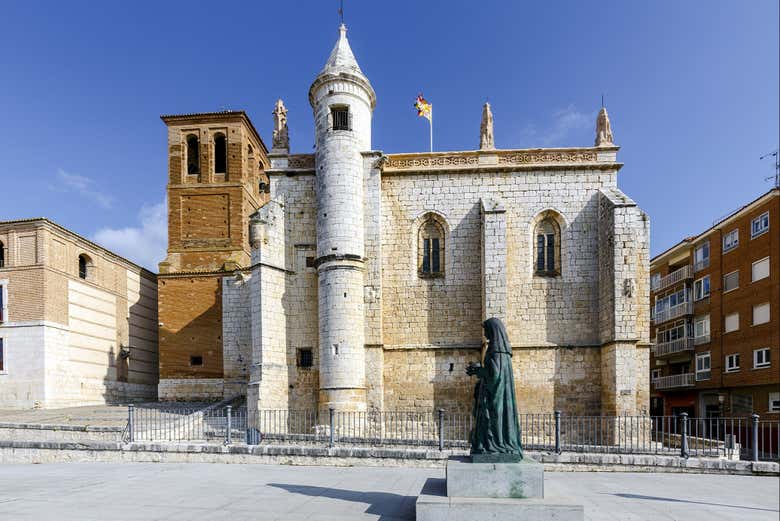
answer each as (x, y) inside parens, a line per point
(557, 432)
(130, 426)
(228, 424)
(754, 437)
(441, 429)
(684, 436)
(331, 413)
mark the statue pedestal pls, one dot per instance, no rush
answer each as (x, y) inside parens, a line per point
(493, 491)
(524, 479)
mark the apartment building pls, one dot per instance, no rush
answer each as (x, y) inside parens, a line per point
(715, 301)
(78, 323)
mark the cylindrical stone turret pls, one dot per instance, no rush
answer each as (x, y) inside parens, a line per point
(342, 100)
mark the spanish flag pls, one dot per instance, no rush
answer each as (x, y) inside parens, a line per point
(424, 109)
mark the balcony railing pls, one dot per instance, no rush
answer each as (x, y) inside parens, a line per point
(675, 346)
(675, 381)
(675, 277)
(680, 310)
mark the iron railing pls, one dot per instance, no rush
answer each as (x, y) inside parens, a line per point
(165, 422)
(675, 277)
(675, 346)
(734, 438)
(674, 381)
(680, 310)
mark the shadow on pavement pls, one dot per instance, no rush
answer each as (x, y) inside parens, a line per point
(674, 500)
(388, 506)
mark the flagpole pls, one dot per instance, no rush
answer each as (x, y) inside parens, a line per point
(430, 126)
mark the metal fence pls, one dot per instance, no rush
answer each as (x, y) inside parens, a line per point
(734, 438)
(166, 422)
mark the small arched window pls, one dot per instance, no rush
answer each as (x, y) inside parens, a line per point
(430, 248)
(220, 154)
(250, 157)
(85, 267)
(2, 254)
(193, 157)
(547, 248)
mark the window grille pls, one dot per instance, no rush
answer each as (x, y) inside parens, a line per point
(341, 119)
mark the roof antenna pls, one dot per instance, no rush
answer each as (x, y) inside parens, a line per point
(602, 100)
(777, 166)
(341, 11)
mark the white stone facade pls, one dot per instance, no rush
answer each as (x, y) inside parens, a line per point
(387, 335)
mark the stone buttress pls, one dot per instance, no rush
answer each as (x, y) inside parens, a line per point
(268, 377)
(624, 293)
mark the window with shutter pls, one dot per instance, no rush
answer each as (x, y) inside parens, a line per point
(760, 269)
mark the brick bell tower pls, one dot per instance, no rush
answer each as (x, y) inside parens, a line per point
(343, 102)
(216, 180)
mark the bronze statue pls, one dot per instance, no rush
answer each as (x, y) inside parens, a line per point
(496, 433)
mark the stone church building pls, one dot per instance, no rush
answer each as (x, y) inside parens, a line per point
(353, 279)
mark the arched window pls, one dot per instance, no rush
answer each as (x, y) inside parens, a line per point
(193, 157)
(85, 267)
(430, 248)
(220, 154)
(250, 157)
(547, 247)
(2, 254)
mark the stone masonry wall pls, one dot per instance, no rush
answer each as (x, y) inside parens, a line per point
(236, 333)
(546, 379)
(553, 323)
(268, 380)
(301, 295)
(623, 230)
(494, 285)
(447, 311)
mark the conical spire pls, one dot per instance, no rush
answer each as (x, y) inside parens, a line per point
(341, 57)
(342, 66)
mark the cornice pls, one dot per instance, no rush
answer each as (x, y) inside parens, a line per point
(600, 158)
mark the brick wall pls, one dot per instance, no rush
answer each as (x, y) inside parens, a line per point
(746, 379)
(190, 311)
(208, 216)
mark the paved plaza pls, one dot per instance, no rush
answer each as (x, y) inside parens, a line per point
(92, 415)
(148, 491)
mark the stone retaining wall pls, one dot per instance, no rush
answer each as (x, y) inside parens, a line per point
(34, 432)
(57, 452)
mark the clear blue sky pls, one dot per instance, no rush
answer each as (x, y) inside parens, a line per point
(691, 87)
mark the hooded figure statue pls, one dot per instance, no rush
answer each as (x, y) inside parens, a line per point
(496, 429)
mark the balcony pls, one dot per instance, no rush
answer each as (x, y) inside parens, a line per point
(676, 381)
(675, 277)
(674, 347)
(680, 310)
